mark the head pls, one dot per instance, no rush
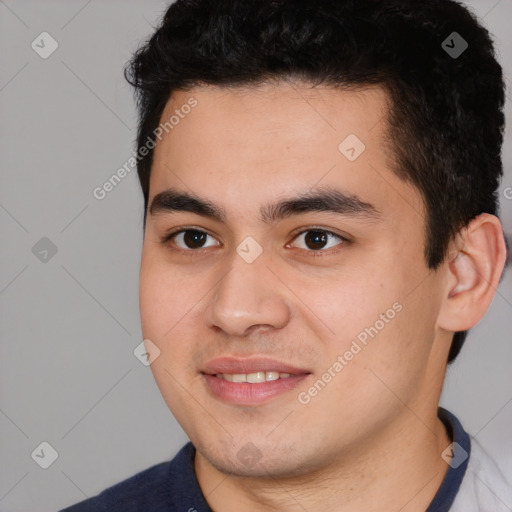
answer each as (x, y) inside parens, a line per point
(362, 160)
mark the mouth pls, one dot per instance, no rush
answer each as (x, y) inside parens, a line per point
(250, 381)
(253, 378)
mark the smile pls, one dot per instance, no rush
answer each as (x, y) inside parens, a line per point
(253, 378)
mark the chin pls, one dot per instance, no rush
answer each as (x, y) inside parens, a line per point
(255, 457)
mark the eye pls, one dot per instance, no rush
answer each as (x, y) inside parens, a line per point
(315, 240)
(188, 239)
(312, 240)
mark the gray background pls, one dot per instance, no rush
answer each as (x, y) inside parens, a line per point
(69, 325)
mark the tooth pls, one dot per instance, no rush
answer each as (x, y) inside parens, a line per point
(256, 377)
(253, 378)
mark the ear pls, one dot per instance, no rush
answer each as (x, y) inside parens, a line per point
(475, 262)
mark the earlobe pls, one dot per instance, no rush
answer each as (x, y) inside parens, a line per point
(474, 268)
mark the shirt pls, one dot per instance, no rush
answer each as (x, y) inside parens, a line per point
(473, 483)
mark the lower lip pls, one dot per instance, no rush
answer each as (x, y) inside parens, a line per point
(244, 393)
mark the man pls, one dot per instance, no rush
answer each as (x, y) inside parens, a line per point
(320, 233)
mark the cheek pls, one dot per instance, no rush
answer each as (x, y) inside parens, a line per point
(380, 318)
(171, 305)
(352, 304)
(392, 350)
(164, 309)
(154, 302)
(166, 297)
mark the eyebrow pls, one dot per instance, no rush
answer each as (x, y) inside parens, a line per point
(324, 199)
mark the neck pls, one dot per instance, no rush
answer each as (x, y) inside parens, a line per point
(402, 470)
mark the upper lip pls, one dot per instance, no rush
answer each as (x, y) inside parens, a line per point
(232, 365)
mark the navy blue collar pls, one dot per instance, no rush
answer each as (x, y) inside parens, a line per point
(187, 494)
(450, 486)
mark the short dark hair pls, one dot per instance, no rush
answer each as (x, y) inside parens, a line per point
(446, 117)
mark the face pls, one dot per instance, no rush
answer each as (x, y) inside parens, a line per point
(276, 244)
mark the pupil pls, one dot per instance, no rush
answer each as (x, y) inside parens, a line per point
(316, 237)
(192, 238)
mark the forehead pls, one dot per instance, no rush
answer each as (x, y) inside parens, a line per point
(243, 143)
(293, 111)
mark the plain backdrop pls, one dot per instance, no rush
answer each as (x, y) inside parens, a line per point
(69, 263)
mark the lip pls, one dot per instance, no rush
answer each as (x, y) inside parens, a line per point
(244, 393)
(249, 365)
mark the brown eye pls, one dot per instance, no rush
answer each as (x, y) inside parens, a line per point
(194, 239)
(318, 239)
(189, 239)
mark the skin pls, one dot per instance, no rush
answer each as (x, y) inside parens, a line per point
(371, 439)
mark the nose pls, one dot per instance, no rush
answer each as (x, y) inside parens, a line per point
(248, 298)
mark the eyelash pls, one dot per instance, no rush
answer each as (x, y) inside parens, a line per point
(169, 236)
